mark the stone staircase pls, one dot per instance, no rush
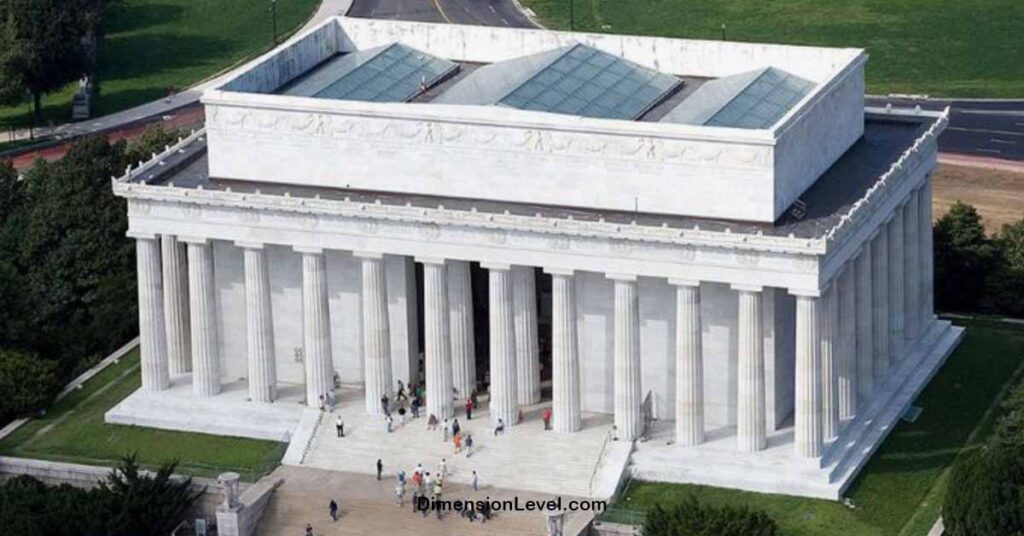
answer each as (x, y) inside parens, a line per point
(524, 458)
(776, 469)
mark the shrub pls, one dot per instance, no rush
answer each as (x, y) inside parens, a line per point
(27, 383)
(692, 518)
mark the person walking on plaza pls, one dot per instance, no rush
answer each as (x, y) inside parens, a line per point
(389, 421)
(546, 417)
(384, 404)
(469, 445)
(469, 409)
(415, 407)
(500, 429)
(457, 441)
(400, 394)
(309, 529)
(455, 427)
(442, 469)
(380, 468)
(432, 422)
(339, 426)
(445, 429)
(475, 482)
(400, 494)
(333, 507)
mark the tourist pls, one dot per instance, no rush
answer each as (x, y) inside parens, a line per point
(485, 511)
(415, 406)
(415, 499)
(445, 428)
(339, 426)
(432, 422)
(457, 441)
(519, 417)
(384, 404)
(469, 409)
(546, 417)
(333, 507)
(389, 421)
(455, 427)
(475, 482)
(500, 429)
(401, 414)
(401, 476)
(309, 529)
(400, 395)
(380, 468)
(442, 469)
(428, 482)
(400, 494)
(469, 446)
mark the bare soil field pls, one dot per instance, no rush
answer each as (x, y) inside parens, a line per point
(997, 194)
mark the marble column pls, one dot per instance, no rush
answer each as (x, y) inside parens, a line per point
(460, 320)
(436, 336)
(316, 326)
(880, 305)
(628, 396)
(689, 364)
(924, 213)
(376, 333)
(565, 380)
(524, 303)
(203, 315)
(807, 412)
(846, 357)
(897, 299)
(504, 386)
(750, 424)
(865, 326)
(175, 272)
(828, 321)
(911, 270)
(259, 325)
(152, 338)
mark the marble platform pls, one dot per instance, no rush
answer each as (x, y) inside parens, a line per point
(229, 413)
(776, 469)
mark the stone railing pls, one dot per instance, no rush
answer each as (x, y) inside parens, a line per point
(907, 163)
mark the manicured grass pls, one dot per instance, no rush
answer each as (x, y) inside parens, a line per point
(961, 48)
(900, 491)
(73, 431)
(153, 45)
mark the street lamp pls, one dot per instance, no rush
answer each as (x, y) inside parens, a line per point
(273, 18)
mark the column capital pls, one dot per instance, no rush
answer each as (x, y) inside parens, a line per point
(683, 282)
(430, 260)
(746, 288)
(368, 255)
(197, 240)
(805, 293)
(559, 271)
(249, 245)
(496, 265)
(142, 235)
(309, 250)
(628, 278)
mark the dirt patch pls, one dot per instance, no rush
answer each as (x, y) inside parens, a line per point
(997, 194)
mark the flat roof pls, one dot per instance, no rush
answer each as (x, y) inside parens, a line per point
(822, 205)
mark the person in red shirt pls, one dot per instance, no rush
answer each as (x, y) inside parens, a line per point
(469, 408)
(546, 416)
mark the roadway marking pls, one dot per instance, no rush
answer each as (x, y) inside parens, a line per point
(993, 151)
(491, 7)
(989, 112)
(986, 131)
(1007, 142)
(437, 6)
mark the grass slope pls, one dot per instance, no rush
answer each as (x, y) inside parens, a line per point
(955, 48)
(153, 45)
(900, 491)
(73, 431)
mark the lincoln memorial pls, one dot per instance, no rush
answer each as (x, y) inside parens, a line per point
(707, 258)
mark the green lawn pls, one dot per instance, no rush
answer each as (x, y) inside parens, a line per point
(900, 491)
(73, 431)
(957, 48)
(152, 45)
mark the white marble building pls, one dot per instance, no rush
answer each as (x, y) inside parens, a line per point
(738, 253)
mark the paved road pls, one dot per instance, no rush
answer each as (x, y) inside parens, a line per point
(480, 12)
(992, 129)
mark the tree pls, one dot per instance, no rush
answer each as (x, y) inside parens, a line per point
(28, 384)
(43, 45)
(689, 517)
(141, 505)
(1004, 291)
(964, 258)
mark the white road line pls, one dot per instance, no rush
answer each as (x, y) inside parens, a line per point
(990, 112)
(1006, 142)
(507, 23)
(986, 131)
(491, 7)
(993, 151)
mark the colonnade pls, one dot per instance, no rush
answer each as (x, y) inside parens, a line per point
(847, 336)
